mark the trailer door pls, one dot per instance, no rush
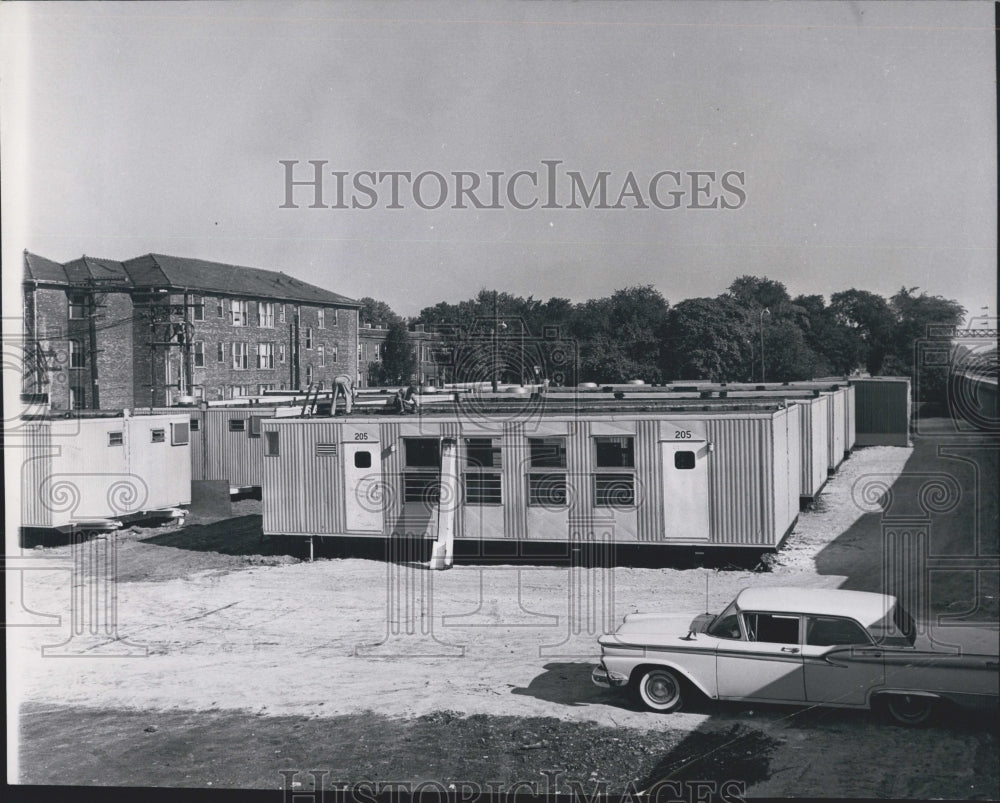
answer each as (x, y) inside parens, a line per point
(684, 461)
(363, 486)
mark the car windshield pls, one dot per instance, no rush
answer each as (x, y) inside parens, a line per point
(727, 623)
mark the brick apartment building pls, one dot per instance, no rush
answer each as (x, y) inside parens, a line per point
(426, 349)
(102, 334)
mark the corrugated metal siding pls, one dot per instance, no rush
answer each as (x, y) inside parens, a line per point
(788, 500)
(744, 493)
(852, 419)
(392, 477)
(300, 492)
(233, 456)
(37, 461)
(813, 444)
(836, 426)
(649, 479)
(740, 480)
(882, 412)
(516, 462)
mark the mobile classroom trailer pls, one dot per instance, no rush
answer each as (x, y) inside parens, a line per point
(884, 409)
(80, 470)
(724, 475)
(225, 443)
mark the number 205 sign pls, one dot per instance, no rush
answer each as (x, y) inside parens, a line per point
(681, 431)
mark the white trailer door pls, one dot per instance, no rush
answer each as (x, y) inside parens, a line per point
(363, 487)
(684, 459)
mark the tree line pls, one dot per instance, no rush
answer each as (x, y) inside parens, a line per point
(754, 331)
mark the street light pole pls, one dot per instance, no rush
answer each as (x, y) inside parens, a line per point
(494, 360)
(763, 374)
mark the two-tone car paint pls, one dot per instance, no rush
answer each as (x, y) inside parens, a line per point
(800, 646)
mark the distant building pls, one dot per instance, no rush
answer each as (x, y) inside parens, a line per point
(426, 347)
(147, 331)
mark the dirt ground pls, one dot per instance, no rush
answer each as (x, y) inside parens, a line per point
(237, 661)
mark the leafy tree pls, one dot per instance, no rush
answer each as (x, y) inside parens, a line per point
(832, 341)
(375, 312)
(622, 337)
(756, 292)
(916, 317)
(398, 359)
(710, 339)
(870, 322)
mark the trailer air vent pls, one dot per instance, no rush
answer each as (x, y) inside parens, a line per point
(326, 448)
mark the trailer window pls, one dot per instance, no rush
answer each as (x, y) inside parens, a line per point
(179, 434)
(684, 460)
(547, 452)
(546, 489)
(482, 489)
(421, 487)
(158, 436)
(195, 425)
(482, 453)
(116, 438)
(615, 451)
(614, 490)
(271, 444)
(423, 452)
(362, 459)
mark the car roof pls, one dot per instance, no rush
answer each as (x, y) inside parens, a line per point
(863, 606)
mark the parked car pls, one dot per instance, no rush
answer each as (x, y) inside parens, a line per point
(801, 646)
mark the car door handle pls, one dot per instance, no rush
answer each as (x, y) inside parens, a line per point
(789, 649)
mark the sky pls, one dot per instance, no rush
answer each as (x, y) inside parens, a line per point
(863, 135)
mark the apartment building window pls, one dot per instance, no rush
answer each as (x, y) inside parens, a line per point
(241, 356)
(547, 472)
(309, 337)
(422, 470)
(77, 307)
(241, 313)
(321, 318)
(222, 352)
(309, 375)
(483, 465)
(321, 353)
(333, 354)
(334, 318)
(614, 488)
(281, 352)
(197, 308)
(265, 355)
(77, 358)
(198, 352)
(281, 313)
(266, 312)
(220, 307)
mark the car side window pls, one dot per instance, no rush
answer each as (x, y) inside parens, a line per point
(774, 628)
(828, 631)
(728, 626)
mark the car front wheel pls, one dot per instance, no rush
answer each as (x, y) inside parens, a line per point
(909, 709)
(660, 690)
